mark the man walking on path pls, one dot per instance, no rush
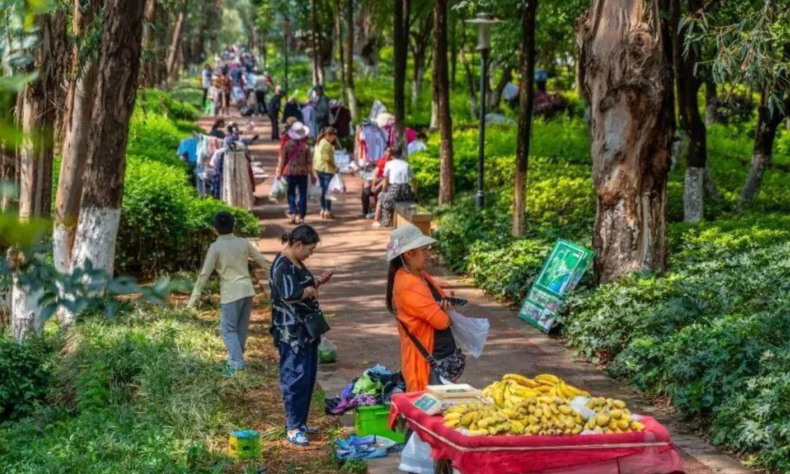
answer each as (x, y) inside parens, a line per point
(261, 88)
(229, 256)
(274, 113)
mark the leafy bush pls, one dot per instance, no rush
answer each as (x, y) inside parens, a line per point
(25, 373)
(165, 226)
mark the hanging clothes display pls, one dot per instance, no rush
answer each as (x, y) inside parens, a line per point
(309, 118)
(373, 140)
(236, 185)
(340, 118)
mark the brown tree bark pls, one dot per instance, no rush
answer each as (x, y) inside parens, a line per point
(768, 122)
(688, 85)
(526, 103)
(400, 40)
(441, 91)
(420, 41)
(175, 45)
(149, 73)
(495, 97)
(119, 69)
(314, 40)
(340, 46)
(625, 81)
(352, 98)
(711, 102)
(75, 149)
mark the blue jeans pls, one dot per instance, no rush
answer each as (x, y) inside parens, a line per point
(234, 323)
(295, 182)
(298, 371)
(325, 179)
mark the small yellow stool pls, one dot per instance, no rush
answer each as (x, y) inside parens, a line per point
(244, 444)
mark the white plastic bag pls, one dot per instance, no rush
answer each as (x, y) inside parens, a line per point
(470, 333)
(278, 190)
(337, 188)
(314, 191)
(416, 456)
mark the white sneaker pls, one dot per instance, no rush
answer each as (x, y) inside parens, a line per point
(377, 225)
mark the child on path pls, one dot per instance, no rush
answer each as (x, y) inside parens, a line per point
(229, 256)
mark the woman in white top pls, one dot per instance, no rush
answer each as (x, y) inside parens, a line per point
(398, 179)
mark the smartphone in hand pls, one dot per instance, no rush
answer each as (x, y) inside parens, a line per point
(457, 302)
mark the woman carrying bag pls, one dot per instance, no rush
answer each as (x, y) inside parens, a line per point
(296, 164)
(297, 326)
(429, 355)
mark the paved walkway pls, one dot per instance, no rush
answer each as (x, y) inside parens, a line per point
(366, 333)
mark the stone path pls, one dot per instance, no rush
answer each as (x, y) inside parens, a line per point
(366, 334)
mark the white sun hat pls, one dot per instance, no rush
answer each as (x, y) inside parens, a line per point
(298, 131)
(405, 238)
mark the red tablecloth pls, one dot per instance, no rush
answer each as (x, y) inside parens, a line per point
(650, 451)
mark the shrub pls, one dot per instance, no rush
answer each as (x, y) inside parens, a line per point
(25, 373)
(165, 226)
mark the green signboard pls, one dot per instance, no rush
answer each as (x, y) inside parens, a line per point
(560, 274)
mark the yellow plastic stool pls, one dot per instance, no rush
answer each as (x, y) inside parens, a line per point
(244, 444)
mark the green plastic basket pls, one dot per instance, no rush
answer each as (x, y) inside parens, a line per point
(375, 420)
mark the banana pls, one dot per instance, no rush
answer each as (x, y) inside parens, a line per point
(547, 379)
(521, 380)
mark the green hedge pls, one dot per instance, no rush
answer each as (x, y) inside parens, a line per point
(165, 226)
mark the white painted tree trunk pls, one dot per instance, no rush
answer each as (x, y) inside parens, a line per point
(694, 195)
(352, 102)
(434, 115)
(25, 312)
(96, 234)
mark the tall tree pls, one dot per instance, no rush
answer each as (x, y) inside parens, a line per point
(526, 104)
(689, 80)
(82, 88)
(175, 43)
(352, 98)
(340, 48)
(420, 40)
(400, 39)
(149, 73)
(315, 38)
(441, 92)
(625, 84)
(102, 194)
(38, 110)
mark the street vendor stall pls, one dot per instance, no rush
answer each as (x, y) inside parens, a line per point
(646, 449)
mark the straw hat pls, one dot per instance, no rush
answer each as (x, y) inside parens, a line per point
(405, 238)
(298, 131)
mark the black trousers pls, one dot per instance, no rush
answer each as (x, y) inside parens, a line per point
(260, 98)
(205, 96)
(273, 115)
(367, 195)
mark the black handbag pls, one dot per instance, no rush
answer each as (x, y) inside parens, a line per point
(315, 324)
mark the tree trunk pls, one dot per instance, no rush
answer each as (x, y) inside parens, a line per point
(765, 132)
(39, 111)
(149, 74)
(316, 55)
(401, 43)
(625, 81)
(175, 45)
(341, 55)
(441, 92)
(495, 97)
(75, 148)
(352, 99)
(453, 51)
(419, 48)
(102, 194)
(471, 90)
(688, 85)
(711, 101)
(7, 174)
(526, 102)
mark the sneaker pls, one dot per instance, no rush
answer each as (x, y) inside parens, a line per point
(371, 215)
(377, 225)
(297, 439)
(231, 371)
(362, 215)
(309, 429)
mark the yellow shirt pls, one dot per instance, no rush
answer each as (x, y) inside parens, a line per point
(228, 255)
(324, 158)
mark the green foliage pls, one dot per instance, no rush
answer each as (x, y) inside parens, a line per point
(165, 226)
(25, 373)
(135, 395)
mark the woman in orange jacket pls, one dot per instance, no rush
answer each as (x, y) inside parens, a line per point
(428, 351)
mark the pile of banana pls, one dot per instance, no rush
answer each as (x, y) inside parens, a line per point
(515, 388)
(541, 416)
(612, 416)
